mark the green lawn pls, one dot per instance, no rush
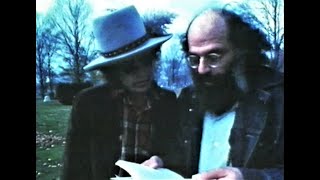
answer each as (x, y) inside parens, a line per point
(51, 119)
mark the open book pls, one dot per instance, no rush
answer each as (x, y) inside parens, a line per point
(141, 172)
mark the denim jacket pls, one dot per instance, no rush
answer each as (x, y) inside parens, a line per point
(256, 138)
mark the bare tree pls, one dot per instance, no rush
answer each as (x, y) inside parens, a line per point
(268, 14)
(74, 36)
(46, 47)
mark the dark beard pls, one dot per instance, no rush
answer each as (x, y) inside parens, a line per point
(218, 97)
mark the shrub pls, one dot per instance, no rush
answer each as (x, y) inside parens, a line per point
(65, 92)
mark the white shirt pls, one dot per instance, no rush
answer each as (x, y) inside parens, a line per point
(215, 145)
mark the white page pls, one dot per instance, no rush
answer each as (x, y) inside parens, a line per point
(141, 172)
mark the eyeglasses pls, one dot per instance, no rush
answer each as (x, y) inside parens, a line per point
(211, 60)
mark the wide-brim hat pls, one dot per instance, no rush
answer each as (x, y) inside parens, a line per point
(120, 35)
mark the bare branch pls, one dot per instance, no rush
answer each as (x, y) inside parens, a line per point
(281, 39)
(74, 36)
(270, 14)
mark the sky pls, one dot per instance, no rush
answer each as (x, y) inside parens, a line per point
(184, 8)
(43, 5)
(175, 5)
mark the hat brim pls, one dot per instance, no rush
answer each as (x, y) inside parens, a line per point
(103, 62)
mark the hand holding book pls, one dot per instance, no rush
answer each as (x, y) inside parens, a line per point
(142, 172)
(154, 162)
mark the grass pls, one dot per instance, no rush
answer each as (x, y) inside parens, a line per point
(51, 120)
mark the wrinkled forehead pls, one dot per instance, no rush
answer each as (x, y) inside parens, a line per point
(208, 24)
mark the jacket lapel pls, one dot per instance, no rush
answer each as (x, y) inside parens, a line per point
(250, 121)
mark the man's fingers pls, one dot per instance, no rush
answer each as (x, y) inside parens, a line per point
(227, 173)
(210, 175)
(157, 161)
(219, 173)
(154, 162)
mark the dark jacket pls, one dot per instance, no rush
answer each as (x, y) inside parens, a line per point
(256, 138)
(93, 143)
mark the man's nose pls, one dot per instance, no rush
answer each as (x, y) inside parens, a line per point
(203, 68)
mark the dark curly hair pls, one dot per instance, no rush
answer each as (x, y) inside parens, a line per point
(111, 74)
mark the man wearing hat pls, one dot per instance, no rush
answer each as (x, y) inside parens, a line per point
(129, 117)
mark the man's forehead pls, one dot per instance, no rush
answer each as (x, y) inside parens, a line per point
(208, 32)
(209, 22)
